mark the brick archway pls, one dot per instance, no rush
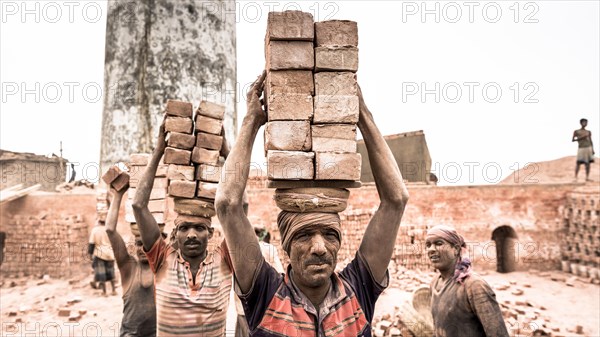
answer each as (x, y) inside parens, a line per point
(505, 238)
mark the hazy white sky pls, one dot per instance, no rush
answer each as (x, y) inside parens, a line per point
(493, 84)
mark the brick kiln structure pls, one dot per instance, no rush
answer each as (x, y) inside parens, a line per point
(30, 169)
(47, 233)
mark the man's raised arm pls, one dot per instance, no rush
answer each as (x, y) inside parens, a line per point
(229, 199)
(379, 239)
(116, 241)
(149, 230)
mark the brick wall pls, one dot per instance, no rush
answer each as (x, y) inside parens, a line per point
(534, 212)
(47, 233)
(56, 226)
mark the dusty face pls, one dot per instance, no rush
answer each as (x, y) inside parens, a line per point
(441, 253)
(583, 124)
(192, 239)
(139, 252)
(313, 256)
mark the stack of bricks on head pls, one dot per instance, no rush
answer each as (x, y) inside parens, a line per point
(193, 156)
(312, 107)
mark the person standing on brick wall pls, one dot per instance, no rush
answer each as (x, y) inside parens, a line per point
(310, 298)
(139, 309)
(585, 148)
(103, 259)
(474, 309)
(192, 284)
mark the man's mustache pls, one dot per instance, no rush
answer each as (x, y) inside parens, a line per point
(191, 242)
(319, 260)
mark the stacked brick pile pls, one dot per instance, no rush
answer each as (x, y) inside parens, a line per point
(311, 97)
(101, 204)
(581, 244)
(193, 156)
(158, 202)
(46, 244)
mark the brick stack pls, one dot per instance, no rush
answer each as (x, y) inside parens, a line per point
(193, 154)
(312, 116)
(580, 248)
(158, 202)
(102, 204)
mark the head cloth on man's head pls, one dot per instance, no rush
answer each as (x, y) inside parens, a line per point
(180, 219)
(462, 269)
(447, 233)
(290, 223)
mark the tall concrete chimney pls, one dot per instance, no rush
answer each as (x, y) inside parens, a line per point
(158, 50)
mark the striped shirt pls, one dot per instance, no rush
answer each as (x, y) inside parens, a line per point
(182, 307)
(274, 306)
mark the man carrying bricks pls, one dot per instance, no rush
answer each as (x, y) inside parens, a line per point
(310, 299)
(192, 284)
(139, 310)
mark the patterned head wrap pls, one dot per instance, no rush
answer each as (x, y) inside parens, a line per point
(463, 269)
(181, 219)
(290, 223)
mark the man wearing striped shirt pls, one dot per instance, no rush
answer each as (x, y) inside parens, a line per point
(310, 299)
(192, 284)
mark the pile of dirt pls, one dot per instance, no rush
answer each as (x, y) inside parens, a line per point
(552, 172)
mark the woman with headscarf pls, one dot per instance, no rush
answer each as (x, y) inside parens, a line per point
(462, 303)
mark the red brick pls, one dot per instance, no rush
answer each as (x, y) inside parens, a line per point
(209, 141)
(209, 173)
(290, 165)
(121, 182)
(179, 140)
(337, 166)
(177, 156)
(336, 83)
(283, 55)
(157, 193)
(159, 217)
(334, 138)
(161, 170)
(209, 125)
(290, 82)
(290, 107)
(179, 124)
(336, 109)
(206, 190)
(182, 188)
(212, 110)
(290, 25)
(336, 58)
(336, 33)
(288, 136)
(196, 207)
(180, 172)
(160, 182)
(179, 108)
(139, 159)
(157, 205)
(205, 156)
(111, 174)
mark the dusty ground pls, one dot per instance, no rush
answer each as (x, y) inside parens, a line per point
(31, 307)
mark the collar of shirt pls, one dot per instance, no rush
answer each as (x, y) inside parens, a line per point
(335, 295)
(207, 260)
